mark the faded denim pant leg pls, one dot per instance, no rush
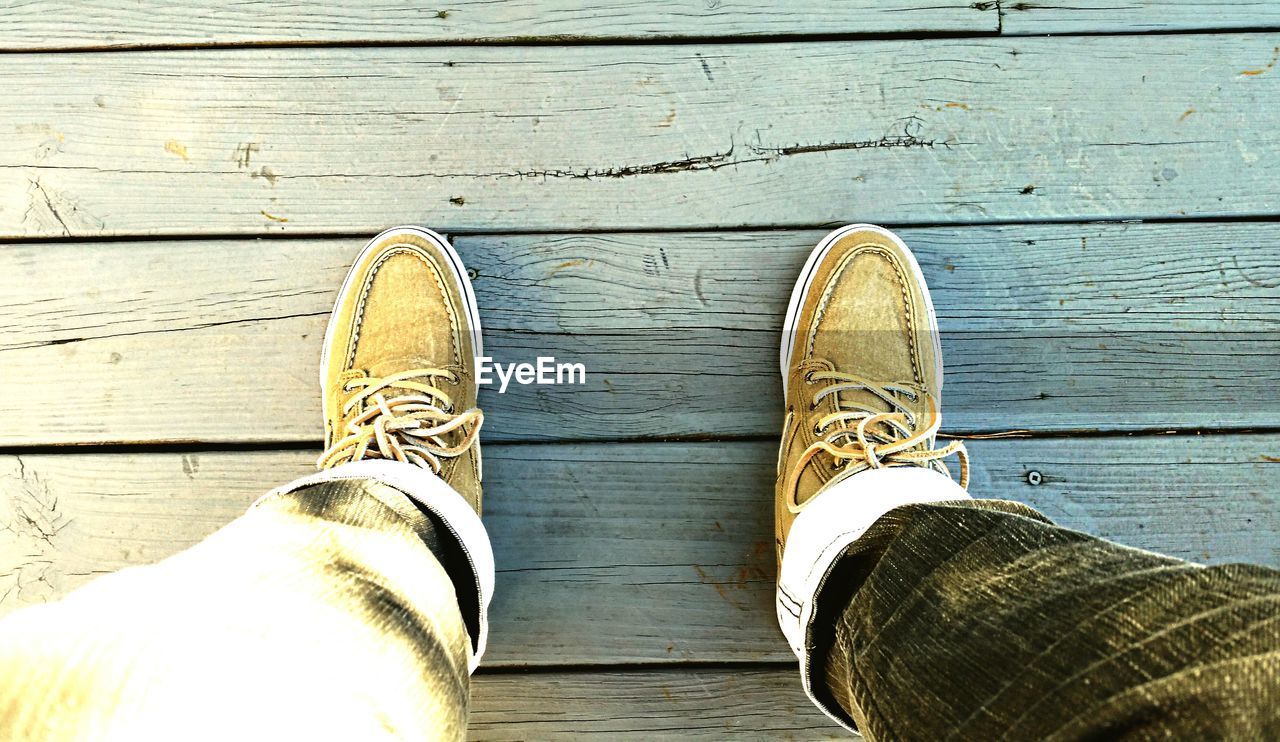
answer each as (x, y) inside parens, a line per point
(322, 613)
(980, 619)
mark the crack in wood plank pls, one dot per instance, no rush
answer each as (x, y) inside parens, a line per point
(755, 153)
(48, 203)
(249, 320)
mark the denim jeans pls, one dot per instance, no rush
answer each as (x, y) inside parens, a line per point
(980, 619)
(330, 612)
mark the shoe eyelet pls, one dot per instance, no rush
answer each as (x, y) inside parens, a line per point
(808, 376)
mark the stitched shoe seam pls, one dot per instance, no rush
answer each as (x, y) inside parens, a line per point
(358, 317)
(902, 287)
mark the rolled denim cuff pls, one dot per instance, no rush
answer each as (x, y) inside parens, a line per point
(831, 521)
(449, 510)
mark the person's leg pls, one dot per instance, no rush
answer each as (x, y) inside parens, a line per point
(979, 619)
(919, 613)
(322, 613)
(350, 604)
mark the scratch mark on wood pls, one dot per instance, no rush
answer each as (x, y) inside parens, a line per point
(45, 129)
(243, 153)
(719, 586)
(52, 143)
(174, 147)
(1235, 261)
(190, 465)
(48, 202)
(565, 266)
(266, 173)
(1275, 57)
(998, 8)
(650, 265)
(706, 69)
(48, 209)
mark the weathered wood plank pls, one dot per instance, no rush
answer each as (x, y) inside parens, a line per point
(617, 553)
(538, 138)
(683, 704)
(1136, 15)
(65, 24)
(1052, 327)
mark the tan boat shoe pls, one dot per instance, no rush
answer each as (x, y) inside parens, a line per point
(861, 368)
(398, 371)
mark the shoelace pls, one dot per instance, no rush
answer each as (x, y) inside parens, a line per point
(862, 437)
(404, 427)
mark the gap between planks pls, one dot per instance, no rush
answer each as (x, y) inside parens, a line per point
(47, 27)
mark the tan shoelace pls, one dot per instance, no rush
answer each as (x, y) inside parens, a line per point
(860, 437)
(403, 419)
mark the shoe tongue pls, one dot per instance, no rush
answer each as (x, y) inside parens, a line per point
(859, 399)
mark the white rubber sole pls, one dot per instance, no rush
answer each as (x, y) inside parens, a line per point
(459, 275)
(805, 281)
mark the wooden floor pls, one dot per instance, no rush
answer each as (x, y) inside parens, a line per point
(634, 185)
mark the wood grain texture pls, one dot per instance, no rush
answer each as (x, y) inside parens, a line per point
(65, 24)
(1052, 327)
(620, 553)
(350, 140)
(1136, 15)
(674, 704)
